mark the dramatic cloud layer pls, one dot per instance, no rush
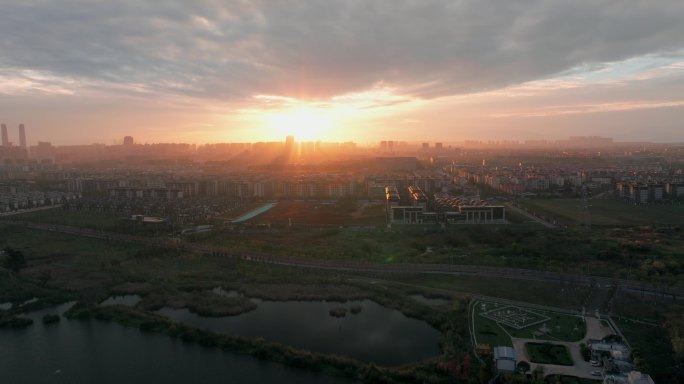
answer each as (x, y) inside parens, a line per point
(228, 52)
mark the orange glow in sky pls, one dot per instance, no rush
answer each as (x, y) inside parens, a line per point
(244, 71)
(307, 124)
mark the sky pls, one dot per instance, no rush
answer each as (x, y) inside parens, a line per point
(77, 72)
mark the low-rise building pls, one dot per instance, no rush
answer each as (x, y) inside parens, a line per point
(616, 351)
(504, 359)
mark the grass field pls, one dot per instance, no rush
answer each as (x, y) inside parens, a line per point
(547, 353)
(489, 332)
(316, 213)
(44, 244)
(105, 221)
(605, 212)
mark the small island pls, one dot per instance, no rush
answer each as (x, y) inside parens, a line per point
(338, 312)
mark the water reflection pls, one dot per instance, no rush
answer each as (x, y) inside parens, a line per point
(376, 334)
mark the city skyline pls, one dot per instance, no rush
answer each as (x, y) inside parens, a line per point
(590, 141)
(342, 71)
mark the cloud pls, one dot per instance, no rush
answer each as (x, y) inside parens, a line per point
(317, 50)
(560, 110)
(26, 82)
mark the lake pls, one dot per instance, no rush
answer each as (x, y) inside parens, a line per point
(376, 334)
(74, 351)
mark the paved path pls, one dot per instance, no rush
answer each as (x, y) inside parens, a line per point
(596, 330)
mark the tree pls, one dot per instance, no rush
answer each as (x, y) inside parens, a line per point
(613, 339)
(585, 351)
(14, 260)
(524, 367)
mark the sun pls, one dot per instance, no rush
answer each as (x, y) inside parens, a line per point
(305, 124)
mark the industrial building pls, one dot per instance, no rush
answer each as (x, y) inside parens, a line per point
(416, 208)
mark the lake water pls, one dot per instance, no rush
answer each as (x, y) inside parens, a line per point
(74, 351)
(376, 334)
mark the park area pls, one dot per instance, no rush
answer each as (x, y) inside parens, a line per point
(495, 323)
(605, 211)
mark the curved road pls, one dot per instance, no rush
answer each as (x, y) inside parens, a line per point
(341, 265)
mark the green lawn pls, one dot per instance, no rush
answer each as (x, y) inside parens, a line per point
(76, 218)
(489, 332)
(605, 212)
(547, 353)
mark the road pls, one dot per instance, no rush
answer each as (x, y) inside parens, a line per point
(529, 215)
(352, 266)
(13, 213)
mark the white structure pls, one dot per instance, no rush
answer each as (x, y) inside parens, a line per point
(504, 359)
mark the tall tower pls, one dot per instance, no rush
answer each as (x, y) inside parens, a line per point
(289, 145)
(22, 136)
(5, 138)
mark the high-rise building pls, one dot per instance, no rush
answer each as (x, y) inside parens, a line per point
(5, 138)
(22, 136)
(128, 140)
(289, 142)
(289, 147)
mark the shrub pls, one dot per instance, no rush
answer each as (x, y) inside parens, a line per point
(14, 260)
(15, 322)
